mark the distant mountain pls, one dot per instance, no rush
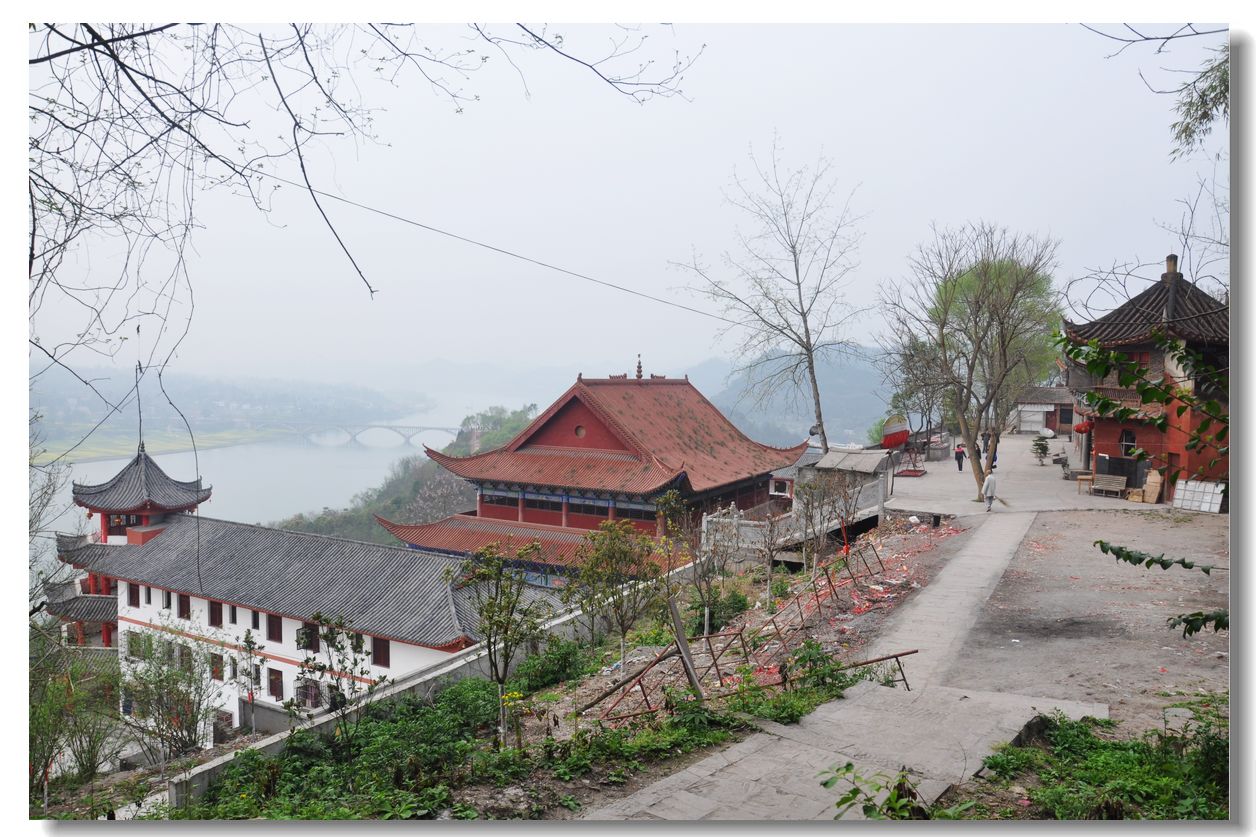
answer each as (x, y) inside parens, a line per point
(852, 396)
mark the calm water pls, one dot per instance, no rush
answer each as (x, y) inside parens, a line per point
(263, 483)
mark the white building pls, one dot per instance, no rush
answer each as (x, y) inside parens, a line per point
(169, 578)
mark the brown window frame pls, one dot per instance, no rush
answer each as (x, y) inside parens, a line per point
(307, 637)
(216, 665)
(215, 614)
(379, 644)
(132, 594)
(274, 628)
(274, 675)
(185, 606)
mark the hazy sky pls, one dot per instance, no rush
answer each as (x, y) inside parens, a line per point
(1029, 126)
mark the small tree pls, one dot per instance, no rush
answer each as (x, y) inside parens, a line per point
(616, 566)
(341, 661)
(509, 619)
(47, 701)
(92, 723)
(1040, 449)
(175, 690)
(246, 680)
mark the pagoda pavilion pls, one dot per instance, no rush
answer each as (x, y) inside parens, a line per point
(605, 450)
(1174, 308)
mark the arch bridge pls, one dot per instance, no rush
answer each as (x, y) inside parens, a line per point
(352, 431)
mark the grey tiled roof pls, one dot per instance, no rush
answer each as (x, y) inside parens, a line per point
(1197, 317)
(141, 484)
(386, 591)
(1045, 395)
(85, 608)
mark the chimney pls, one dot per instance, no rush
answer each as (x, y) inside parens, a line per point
(1169, 278)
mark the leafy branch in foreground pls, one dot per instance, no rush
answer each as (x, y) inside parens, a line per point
(1135, 557)
(1193, 623)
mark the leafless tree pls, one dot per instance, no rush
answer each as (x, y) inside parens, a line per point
(908, 367)
(45, 481)
(981, 298)
(783, 290)
(130, 124)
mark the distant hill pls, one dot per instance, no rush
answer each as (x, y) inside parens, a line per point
(852, 397)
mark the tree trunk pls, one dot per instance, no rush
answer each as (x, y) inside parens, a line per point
(815, 398)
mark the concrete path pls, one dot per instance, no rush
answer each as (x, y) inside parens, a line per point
(940, 733)
(1022, 482)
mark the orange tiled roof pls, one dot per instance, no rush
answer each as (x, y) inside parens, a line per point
(667, 427)
(464, 534)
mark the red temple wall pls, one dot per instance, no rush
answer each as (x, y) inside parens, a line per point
(560, 430)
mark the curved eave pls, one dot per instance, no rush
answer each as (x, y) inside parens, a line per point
(145, 508)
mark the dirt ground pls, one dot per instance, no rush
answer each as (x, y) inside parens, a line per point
(1067, 621)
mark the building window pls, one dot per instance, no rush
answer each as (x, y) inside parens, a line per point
(257, 674)
(235, 673)
(185, 606)
(586, 508)
(148, 595)
(1066, 415)
(215, 614)
(139, 646)
(274, 627)
(309, 694)
(498, 500)
(232, 614)
(545, 505)
(380, 652)
(165, 599)
(215, 666)
(257, 621)
(185, 659)
(1127, 443)
(132, 594)
(634, 514)
(274, 683)
(307, 637)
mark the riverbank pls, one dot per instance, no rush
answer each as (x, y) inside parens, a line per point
(98, 449)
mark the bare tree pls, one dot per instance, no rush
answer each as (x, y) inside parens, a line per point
(980, 297)
(783, 290)
(130, 124)
(45, 481)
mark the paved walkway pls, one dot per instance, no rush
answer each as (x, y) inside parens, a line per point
(940, 733)
(1022, 482)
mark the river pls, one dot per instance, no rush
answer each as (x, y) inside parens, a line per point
(268, 481)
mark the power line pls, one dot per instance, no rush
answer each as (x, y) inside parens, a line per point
(500, 250)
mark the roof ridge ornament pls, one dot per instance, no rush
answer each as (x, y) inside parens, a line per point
(638, 366)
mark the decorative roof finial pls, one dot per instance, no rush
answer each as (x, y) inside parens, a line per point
(638, 366)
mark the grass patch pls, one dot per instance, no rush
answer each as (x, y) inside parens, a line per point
(1078, 770)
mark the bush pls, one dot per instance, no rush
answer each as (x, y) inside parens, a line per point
(724, 609)
(562, 659)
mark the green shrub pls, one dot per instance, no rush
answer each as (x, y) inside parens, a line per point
(724, 608)
(561, 660)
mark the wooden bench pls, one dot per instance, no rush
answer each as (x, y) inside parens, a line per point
(1108, 482)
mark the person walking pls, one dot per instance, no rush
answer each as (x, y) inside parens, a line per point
(988, 489)
(960, 453)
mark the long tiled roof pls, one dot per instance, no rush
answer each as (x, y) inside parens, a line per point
(667, 426)
(387, 591)
(463, 534)
(86, 608)
(1196, 318)
(141, 486)
(1045, 395)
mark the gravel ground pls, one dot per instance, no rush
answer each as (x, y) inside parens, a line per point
(1068, 622)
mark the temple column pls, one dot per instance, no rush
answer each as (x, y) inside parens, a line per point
(106, 634)
(564, 510)
(610, 512)
(519, 516)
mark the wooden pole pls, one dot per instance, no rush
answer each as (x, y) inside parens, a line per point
(682, 644)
